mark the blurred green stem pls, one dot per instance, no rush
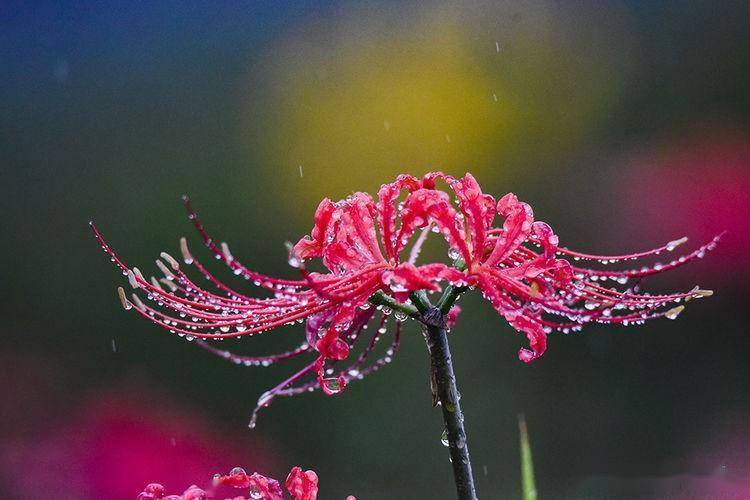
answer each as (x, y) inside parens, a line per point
(527, 466)
(446, 393)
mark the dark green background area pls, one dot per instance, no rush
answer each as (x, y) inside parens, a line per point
(111, 111)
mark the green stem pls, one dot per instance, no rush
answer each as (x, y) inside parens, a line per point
(527, 466)
(450, 296)
(445, 389)
(443, 379)
(381, 299)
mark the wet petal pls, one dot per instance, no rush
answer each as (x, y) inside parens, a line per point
(303, 485)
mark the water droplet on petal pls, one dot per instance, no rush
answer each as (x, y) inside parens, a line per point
(237, 471)
(444, 438)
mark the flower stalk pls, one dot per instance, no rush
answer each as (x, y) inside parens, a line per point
(443, 380)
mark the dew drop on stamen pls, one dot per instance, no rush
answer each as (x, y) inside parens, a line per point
(331, 385)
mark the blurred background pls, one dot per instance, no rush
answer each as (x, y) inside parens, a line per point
(624, 124)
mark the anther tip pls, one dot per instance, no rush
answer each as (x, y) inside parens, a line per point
(138, 302)
(132, 279)
(186, 257)
(674, 312)
(225, 251)
(123, 299)
(164, 269)
(171, 260)
(675, 243)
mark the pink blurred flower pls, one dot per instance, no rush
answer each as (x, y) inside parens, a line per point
(697, 185)
(119, 441)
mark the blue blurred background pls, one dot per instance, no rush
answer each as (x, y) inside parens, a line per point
(625, 125)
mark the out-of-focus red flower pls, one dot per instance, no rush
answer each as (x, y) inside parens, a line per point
(518, 266)
(120, 440)
(699, 186)
(238, 485)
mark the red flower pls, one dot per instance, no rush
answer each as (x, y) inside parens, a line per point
(519, 268)
(302, 485)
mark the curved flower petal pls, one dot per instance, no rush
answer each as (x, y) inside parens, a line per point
(479, 210)
(303, 485)
(311, 247)
(516, 228)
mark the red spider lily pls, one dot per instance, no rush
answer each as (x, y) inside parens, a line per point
(519, 268)
(302, 485)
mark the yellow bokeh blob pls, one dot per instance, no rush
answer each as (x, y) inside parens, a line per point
(353, 100)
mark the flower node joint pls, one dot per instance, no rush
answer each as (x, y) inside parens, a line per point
(434, 318)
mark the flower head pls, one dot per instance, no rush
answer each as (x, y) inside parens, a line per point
(369, 249)
(302, 485)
